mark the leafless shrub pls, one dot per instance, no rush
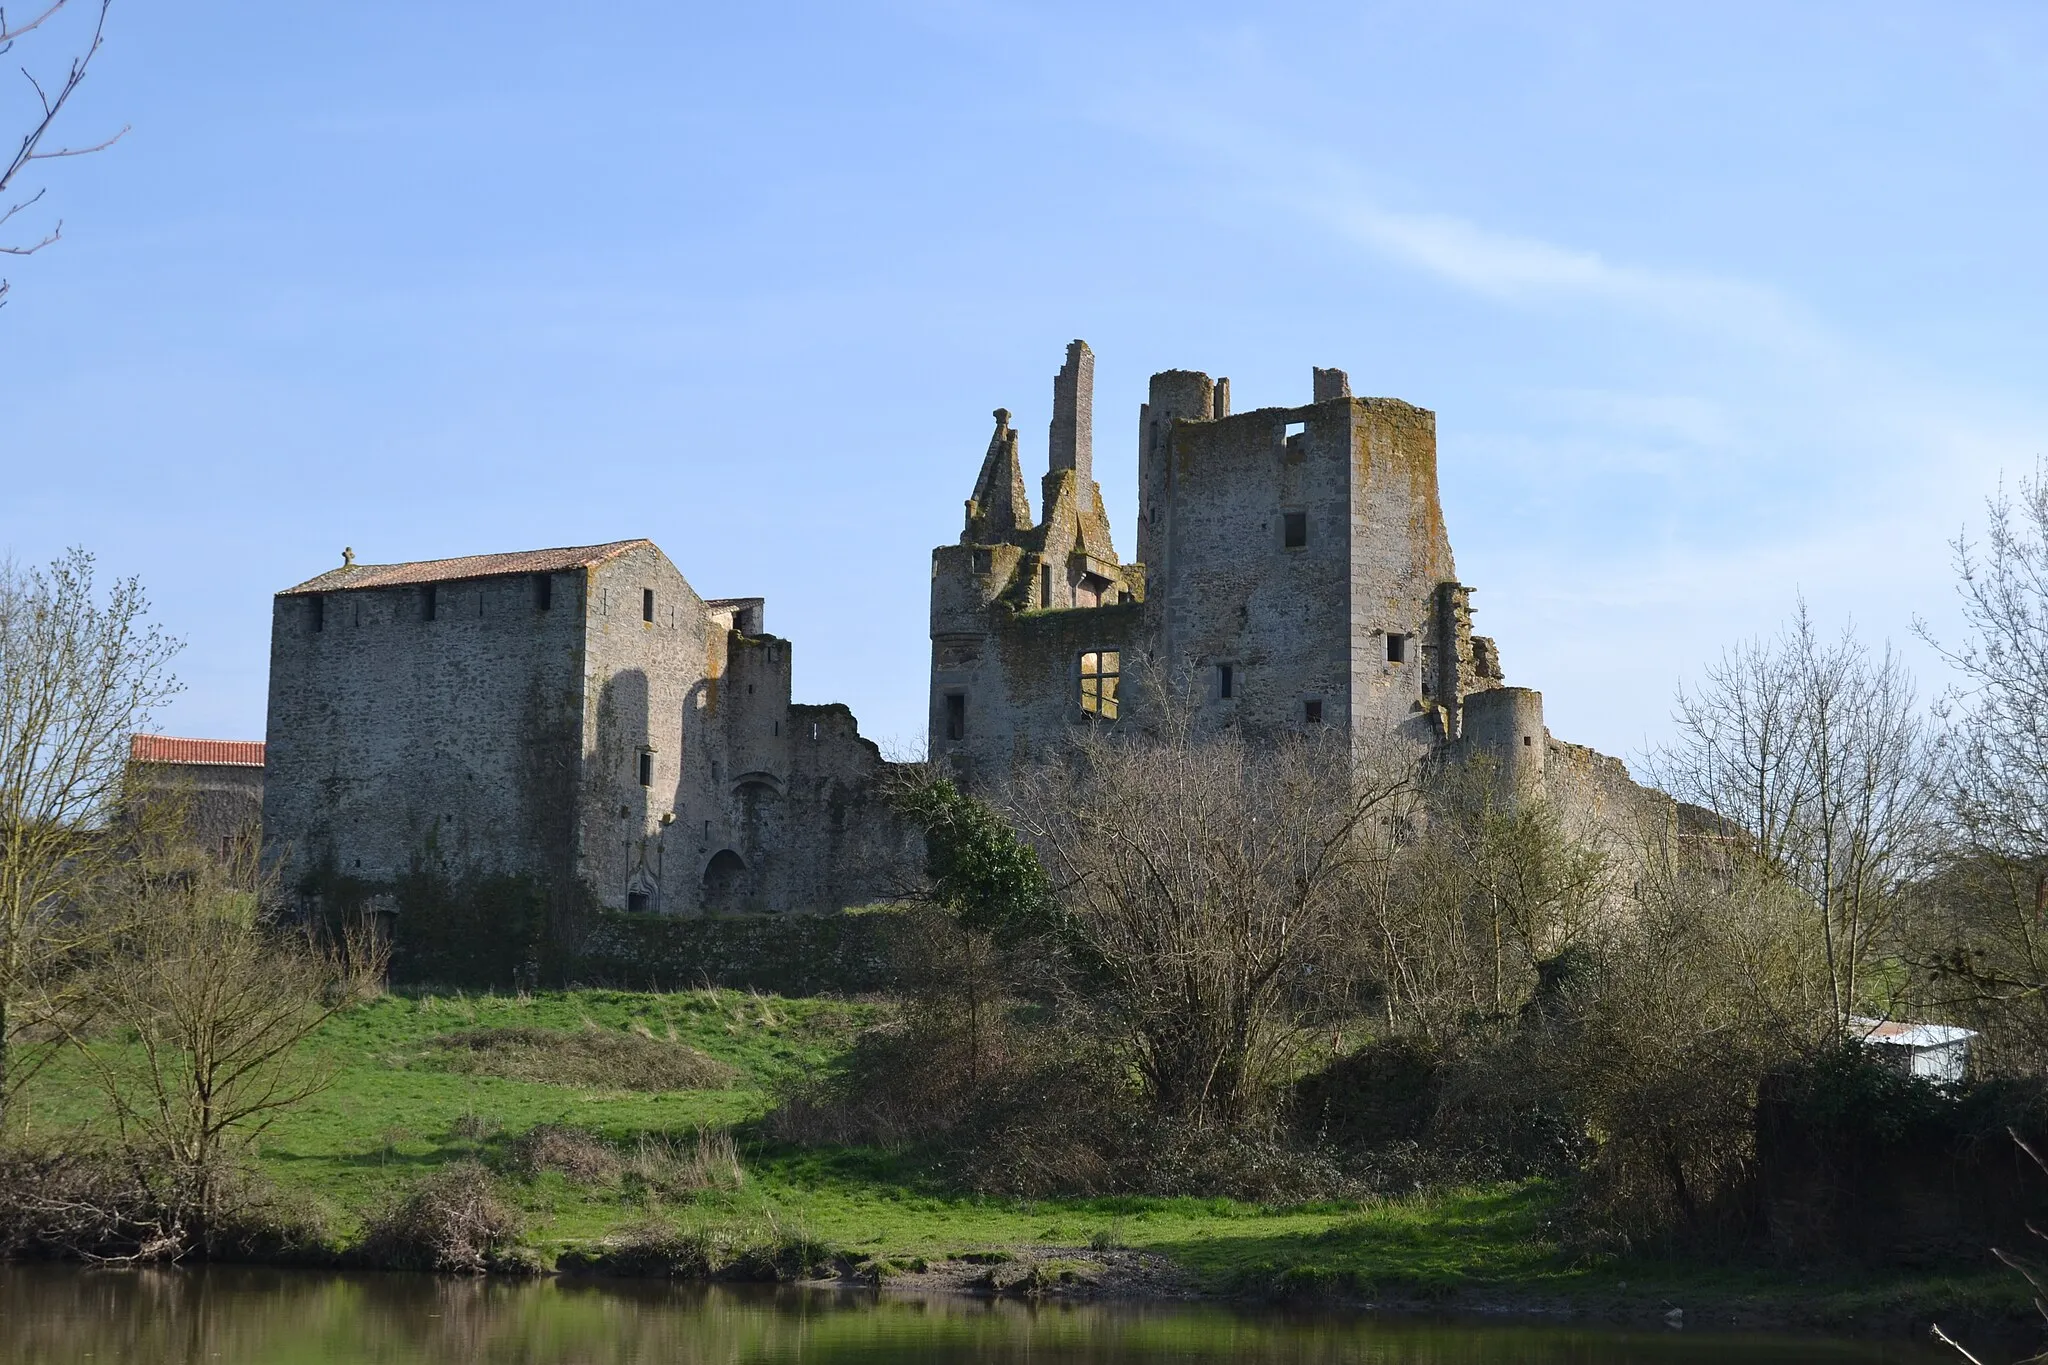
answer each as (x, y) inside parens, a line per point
(590, 1058)
(452, 1219)
(80, 1201)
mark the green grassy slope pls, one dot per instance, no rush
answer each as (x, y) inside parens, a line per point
(395, 1110)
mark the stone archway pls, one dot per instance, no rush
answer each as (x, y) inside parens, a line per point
(725, 883)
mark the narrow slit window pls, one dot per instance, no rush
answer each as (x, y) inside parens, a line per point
(647, 605)
(1045, 585)
(430, 600)
(543, 591)
(1293, 529)
(646, 768)
(319, 613)
(1312, 711)
(1226, 682)
(1099, 674)
(1397, 648)
(956, 715)
(814, 731)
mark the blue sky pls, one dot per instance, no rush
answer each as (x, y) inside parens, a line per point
(1716, 304)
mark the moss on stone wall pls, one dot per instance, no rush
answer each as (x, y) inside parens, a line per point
(841, 954)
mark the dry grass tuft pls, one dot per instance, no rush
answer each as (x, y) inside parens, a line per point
(580, 1155)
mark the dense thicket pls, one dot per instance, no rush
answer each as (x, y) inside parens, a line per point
(1180, 962)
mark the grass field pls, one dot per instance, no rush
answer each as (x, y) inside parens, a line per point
(401, 1104)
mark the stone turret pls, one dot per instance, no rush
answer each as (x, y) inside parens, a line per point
(1505, 726)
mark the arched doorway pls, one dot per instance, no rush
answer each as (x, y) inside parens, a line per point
(725, 883)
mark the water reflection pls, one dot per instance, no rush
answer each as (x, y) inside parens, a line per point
(59, 1316)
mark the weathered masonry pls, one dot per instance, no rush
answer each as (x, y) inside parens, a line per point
(1294, 572)
(579, 716)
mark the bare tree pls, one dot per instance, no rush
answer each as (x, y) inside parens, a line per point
(1820, 754)
(197, 1014)
(2000, 787)
(1205, 886)
(1985, 957)
(78, 675)
(50, 99)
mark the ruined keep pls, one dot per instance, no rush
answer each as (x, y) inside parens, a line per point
(579, 717)
(1293, 571)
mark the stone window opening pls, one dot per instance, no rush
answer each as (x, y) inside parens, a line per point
(814, 732)
(319, 613)
(646, 767)
(1294, 429)
(1226, 682)
(430, 601)
(647, 605)
(1293, 530)
(981, 560)
(1045, 585)
(1397, 647)
(1312, 711)
(1100, 671)
(1527, 741)
(543, 592)
(956, 716)
(778, 729)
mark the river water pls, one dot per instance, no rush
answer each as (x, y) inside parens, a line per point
(60, 1315)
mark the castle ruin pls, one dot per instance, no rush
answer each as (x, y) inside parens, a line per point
(583, 718)
(577, 716)
(1293, 572)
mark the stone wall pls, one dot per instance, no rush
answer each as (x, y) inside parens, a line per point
(845, 954)
(396, 740)
(218, 804)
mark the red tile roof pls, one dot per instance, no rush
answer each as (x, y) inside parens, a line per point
(240, 753)
(468, 566)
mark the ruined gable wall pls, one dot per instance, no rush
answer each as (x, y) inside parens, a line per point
(394, 741)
